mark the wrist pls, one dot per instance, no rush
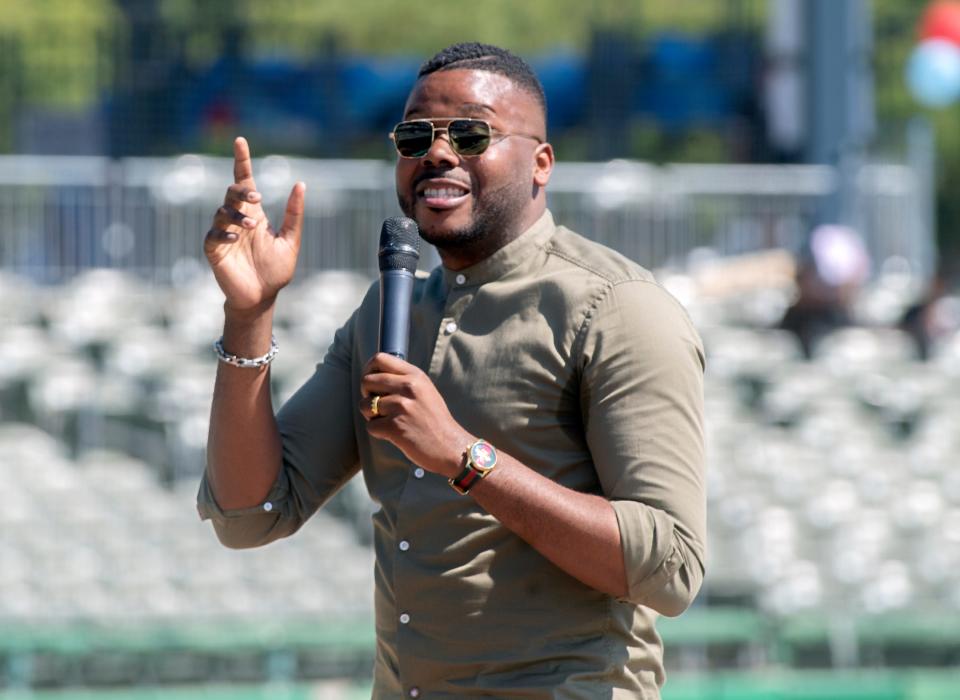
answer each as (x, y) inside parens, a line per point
(247, 332)
(253, 314)
(455, 455)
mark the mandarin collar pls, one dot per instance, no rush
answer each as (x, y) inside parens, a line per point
(513, 254)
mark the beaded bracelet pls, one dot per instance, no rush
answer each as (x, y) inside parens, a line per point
(246, 362)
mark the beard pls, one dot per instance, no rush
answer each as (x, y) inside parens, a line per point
(493, 220)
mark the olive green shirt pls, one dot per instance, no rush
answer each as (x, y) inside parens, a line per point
(570, 358)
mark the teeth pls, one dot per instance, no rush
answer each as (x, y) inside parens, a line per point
(442, 192)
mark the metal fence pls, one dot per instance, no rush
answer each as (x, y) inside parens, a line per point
(61, 215)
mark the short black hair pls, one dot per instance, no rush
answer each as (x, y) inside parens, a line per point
(473, 55)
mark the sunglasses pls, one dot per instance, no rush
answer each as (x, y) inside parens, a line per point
(468, 137)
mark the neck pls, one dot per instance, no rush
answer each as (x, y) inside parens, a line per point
(460, 257)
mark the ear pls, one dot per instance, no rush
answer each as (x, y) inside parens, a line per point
(542, 164)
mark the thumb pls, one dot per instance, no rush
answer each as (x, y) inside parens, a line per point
(293, 216)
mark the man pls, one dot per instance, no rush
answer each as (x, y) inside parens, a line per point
(538, 462)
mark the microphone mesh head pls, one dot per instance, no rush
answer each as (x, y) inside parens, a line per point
(399, 244)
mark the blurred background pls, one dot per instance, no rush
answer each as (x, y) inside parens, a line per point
(786, 167)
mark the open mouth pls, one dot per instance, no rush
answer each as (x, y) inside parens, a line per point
(444, 194)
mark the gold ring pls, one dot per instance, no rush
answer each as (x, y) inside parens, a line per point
(375, 405)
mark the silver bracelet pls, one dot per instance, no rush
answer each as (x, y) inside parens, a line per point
(246, 362)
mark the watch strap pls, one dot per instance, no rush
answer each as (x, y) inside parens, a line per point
(465, 480)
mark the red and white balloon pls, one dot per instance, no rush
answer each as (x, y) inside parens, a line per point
(933, 69)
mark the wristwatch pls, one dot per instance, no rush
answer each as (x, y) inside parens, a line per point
(479, 460)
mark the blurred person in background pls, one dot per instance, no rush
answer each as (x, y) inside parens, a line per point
(829, 276)
(935, 317)
(538, 461)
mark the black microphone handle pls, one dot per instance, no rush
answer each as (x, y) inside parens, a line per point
(396, 294)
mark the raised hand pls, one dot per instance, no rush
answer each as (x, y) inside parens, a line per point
(250, 260)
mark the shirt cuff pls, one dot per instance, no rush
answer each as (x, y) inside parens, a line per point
(647, 541)
(275, 503)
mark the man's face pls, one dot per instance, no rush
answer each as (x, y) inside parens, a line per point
(469, 206)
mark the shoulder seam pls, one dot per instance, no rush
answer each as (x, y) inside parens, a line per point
(552, 249)
(603, 293)
(577, 348)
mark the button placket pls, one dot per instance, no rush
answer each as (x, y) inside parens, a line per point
(458, 300)
(403, 596)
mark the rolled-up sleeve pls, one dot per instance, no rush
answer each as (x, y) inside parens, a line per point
(642, 394)
(319, 455)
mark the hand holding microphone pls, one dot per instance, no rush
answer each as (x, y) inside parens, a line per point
(400, 402)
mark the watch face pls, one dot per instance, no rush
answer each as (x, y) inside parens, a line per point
(483, 455)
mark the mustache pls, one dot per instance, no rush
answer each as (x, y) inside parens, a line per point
(433, 173)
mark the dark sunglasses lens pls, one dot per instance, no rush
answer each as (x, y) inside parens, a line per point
(413, 139)
(470, 137)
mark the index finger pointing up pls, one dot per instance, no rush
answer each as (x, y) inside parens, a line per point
(242, 166)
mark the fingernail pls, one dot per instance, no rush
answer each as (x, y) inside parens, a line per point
(248, 222)
(231, 236)
(253, 196)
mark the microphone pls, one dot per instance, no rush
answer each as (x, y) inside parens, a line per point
(398, 255)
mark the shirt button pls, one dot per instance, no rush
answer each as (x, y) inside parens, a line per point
(450, 327)
(268, 507)
(418, 472)
(404, 545)
(404, 618)
(414, 692)
(461, 279)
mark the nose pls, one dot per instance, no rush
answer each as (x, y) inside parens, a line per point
(441, 152)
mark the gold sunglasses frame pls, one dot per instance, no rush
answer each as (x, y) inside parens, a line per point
(496, 135)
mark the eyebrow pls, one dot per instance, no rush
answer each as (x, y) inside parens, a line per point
(467, 109)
